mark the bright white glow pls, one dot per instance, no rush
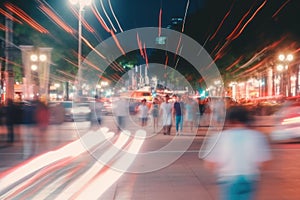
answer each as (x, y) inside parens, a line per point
(73, 2)
(81, 2)
(34, 57)
(289, 57)
(281, 57)
(292, 120)
(293, 78)
(34, 67)
(280, 67)
(43, 57)
(72, 149)
(88, 176)
(102, 182)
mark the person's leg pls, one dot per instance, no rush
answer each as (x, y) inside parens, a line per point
(177, 121)
(120, 123)
(180, 123)
(169, 129)
(164, 129)
(10, 133)
(237, 189)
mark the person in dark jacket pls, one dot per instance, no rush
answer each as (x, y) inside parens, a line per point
(10, 120)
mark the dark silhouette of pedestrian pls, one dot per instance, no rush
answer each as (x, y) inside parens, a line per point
(10, 113)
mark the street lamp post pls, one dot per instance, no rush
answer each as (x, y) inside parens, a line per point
(82, 4)
(283, 67)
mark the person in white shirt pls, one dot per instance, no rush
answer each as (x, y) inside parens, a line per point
(237, 156)
(143, 111)
(166, 111)
(121, 111)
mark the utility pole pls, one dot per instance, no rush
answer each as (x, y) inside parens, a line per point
(9, 73)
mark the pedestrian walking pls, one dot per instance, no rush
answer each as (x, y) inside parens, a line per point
(166, 112)
(178, 110)
(42, 116)
(143, 111)
(10, 113)
(238, 156)
(189, 113)
(96, 114)
(121, 110)
(154, 111)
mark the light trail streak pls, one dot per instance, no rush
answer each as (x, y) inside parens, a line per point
(222, 22)
(35, 181)
(185, 14)
(261, 53)
(20, 13)
(72, 149)
(3, 28)
(182, 30)
(100, 19)
(91, 46)
(140, 45)
(234, 63)
(93, 65)
(117, 67)
(117, 42)
(291, 120)
(54, 183)
(9, 16)
(159, 22)
(232, 34)
(281, 7)
(108, 18)
(250, 19)
(77, 186)
(113, 13)
(104, 180)
(166, 61)
(55, 18)
(145, 53)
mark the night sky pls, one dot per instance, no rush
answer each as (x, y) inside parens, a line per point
(232, 31)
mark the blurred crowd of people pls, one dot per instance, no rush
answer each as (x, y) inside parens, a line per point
(35, 113)
(180, 111)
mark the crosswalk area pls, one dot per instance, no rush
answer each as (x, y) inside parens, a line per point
(75, 170)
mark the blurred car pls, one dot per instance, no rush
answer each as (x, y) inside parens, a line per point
(107, 107)
(140, 95)
(287, 121)
(57, 113)
(76, 111)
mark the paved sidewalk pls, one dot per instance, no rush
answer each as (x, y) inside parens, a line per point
(185, 178)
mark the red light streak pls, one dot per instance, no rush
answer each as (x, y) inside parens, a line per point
(220, 25)
(100, 19)
(145, 53)
(281, 7)
(250, 19)
(234, 63)
(20, 13)
(140, 45)
(9, 16)
(57, 19)
(117, 42)
(91, 46)
(159, 22)
(166, 61)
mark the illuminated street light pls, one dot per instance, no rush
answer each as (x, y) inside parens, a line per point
(82, 4)
(283, 66)
(36, 59)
